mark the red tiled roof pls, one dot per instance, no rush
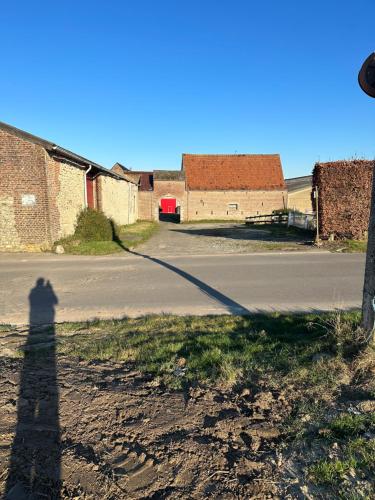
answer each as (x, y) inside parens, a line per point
(233, 172)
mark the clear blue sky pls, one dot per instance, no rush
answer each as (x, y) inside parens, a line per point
(142, 81)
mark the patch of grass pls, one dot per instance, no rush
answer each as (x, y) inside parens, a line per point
(74, 247)
(124, 238)
(224, 349)
(349, 425)
(331, 472)
(358, 459)
(135, 234)
(355, 452)
(346, 246)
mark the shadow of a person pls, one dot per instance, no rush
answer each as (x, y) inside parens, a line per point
(34, 469)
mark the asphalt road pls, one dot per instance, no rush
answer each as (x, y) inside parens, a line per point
(115, 286)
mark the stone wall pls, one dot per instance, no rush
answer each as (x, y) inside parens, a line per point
(232, 204)
(70, 198)
(118, 199)
(23, 195)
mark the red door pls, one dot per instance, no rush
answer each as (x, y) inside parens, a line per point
(168, 205)
(90, 192)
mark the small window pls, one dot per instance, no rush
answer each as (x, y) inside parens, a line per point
(233, 206)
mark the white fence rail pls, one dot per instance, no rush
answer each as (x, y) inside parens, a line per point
(303, 221)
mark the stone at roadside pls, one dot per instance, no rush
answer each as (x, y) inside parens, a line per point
(59, 249)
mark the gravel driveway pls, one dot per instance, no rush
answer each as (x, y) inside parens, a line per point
(227, 238)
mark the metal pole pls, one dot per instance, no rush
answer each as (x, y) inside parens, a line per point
(317, 239)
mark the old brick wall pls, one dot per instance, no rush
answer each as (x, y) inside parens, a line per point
(145, 205)
(117, 199)
(344, 197)
(216, 204)
(23, 195)
(66, 192)
(169, 188)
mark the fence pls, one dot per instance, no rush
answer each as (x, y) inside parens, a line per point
(267, 219)
(303, 221)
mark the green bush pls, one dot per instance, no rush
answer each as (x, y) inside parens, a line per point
(93, 225)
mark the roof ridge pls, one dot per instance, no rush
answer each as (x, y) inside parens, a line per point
(231, 154)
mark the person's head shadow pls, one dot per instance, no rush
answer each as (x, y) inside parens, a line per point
(34, 466)
(42, 301)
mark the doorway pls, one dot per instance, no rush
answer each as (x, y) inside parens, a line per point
(168, 210)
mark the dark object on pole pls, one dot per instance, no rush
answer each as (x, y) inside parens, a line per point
(366, 76)
(366, 79)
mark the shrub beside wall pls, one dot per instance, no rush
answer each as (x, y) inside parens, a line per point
(344, 197)
(93, 225)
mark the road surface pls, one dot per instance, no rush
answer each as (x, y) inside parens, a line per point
(133, 285)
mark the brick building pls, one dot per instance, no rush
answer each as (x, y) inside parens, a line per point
(213, 187)
(43, 187)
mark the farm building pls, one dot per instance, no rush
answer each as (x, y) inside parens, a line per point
(344, 189)
(213, 187)
(43, 187)
(299, 193)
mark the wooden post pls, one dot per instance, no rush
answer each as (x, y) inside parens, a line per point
(367, 83)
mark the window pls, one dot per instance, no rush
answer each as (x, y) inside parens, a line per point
(233, 206)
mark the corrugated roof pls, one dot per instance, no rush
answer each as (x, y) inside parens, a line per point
(146, 179)
(233, 172)
(297, 183)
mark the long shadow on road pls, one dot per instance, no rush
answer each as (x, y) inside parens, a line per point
(231, 306)
(34, 468)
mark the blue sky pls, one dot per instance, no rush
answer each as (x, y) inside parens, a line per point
(142, 81)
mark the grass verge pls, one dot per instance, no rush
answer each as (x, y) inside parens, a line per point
(128, 237)
(225, 349)
(346, 246)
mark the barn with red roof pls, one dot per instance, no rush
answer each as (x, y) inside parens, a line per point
(215, 186)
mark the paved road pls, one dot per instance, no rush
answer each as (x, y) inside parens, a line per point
(88, 287)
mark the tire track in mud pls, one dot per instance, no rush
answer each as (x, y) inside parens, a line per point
(123, 436)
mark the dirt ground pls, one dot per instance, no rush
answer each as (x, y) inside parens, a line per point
(103, 430)
(111, 433)
(218, 238)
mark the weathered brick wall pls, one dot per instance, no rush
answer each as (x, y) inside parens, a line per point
(215, 204)
(145, 205)
(169, 188)
(197, 205)
(344, 197)
(117, 199)
(66, 192)
(23, 195)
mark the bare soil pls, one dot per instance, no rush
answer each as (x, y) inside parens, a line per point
(119, 435)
